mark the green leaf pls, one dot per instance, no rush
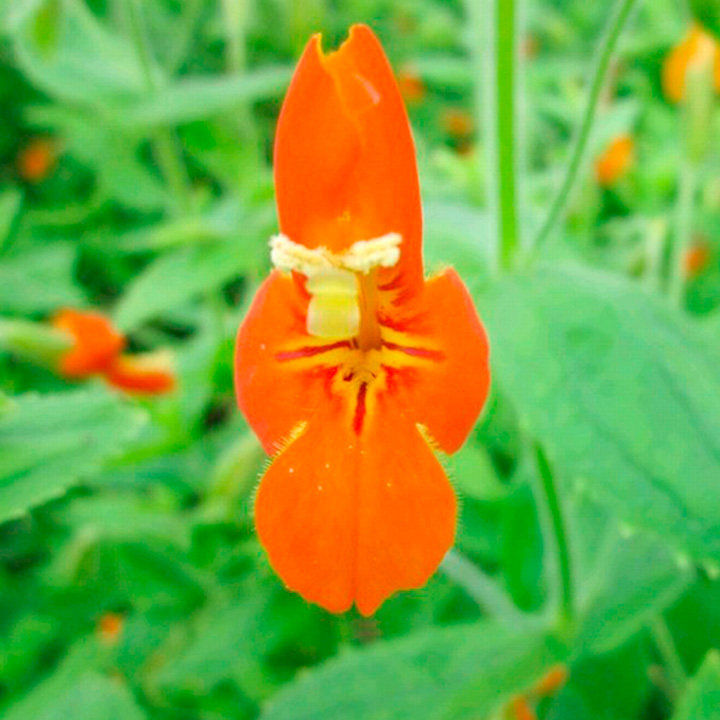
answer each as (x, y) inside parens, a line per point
(197, 98)
(77, 690)
(10, 202)
(179, 276)
(39, 279)
(223, 640)
(454, 672)
(701, 700)
(638, 578)
(89, 64)
(49, 443)
(707, 13)
(621, 392)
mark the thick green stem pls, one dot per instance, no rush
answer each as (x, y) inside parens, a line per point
(493, 52)
(556, 538)
(164, 144)
(599, 76)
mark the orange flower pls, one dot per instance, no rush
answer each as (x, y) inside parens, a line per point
(110, 627)
(96, 349)
(457, 123)
(36, 160)
(350, 366)
(96, 343)
(520, 709)
(696, 49)
(696, 259)
(412, 88)
(148, 374)
(552, 681)
(615, 161)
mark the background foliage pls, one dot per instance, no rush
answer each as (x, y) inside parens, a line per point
(132, 584)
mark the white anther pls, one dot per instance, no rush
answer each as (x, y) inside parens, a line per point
(361, 257)
(288, 255)
(365, 255)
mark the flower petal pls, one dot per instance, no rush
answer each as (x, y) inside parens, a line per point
(349, 518)
(344, 155)
(273, 394)
(149, 374)
(96, 343)
(447, 394)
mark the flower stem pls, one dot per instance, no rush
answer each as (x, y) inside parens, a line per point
(493, 51)
(480, 587)
(556, 538)
(675, 672)
(506, 136)
(600, 72)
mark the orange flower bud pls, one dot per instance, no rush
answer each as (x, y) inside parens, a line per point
(696, 259)
(615, 161)
(109, 628)
(36, 160)
(457, 123)
(96, 343)
(520, 709)
(149, 374)
(552, 681)
(412, 88)
(696, 49)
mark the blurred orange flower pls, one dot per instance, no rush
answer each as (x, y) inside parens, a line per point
(96, 349)
(520, 709)
(457, 123)
(147, 374)
(695, 49)
(616, 160)
(350, 366)
(36, 160)
(552, 681)
(96, 343)
(110, 628)
(696, 259)
(411, 86)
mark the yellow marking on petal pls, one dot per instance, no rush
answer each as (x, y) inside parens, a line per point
(333, 311)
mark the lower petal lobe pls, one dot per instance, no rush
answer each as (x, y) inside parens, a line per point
(351, 518)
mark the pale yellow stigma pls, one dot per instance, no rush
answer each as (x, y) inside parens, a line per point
(334, 280)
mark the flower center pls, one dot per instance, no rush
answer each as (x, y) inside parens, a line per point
(343, 287)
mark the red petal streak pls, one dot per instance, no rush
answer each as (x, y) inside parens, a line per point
(352, 519)
(360, 408)
(311, 350)
(435, 355)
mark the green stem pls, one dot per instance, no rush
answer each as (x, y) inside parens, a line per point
(480, 15)
(480, 587)
(556, 537)
(675, 672)
(164, 145)
(492, 26)
(506, 137)
(600, 72)
(687, 184)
